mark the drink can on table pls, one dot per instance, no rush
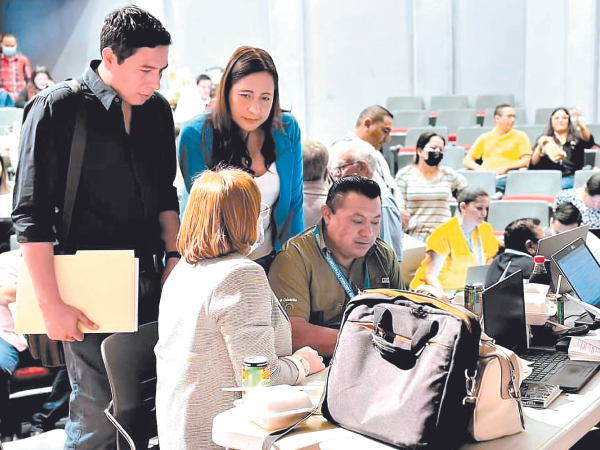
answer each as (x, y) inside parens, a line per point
(256, 372)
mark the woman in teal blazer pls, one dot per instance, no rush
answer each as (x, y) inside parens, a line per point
(248, 130)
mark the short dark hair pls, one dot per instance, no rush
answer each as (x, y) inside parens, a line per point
(351, 183)
(129, 28)
(375, 112)
(593, 185)
(201, 77)
(518, 232)
(499, 108)
(314, 159)
(470, 194)
(567, 214)
(424, 140)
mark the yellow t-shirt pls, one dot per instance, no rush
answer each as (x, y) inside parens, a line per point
(448, 241)
(497, 150)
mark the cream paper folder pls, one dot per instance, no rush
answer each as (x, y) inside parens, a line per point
(101, 283)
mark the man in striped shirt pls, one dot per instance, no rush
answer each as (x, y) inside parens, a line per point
(15, 68)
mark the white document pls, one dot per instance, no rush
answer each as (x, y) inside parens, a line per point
(585, 348)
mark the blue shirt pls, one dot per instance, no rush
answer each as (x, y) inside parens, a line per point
(195, 145)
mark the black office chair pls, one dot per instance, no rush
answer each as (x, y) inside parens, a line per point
(131, 367)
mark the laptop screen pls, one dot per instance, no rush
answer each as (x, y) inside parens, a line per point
(579, 266)
(504, 313)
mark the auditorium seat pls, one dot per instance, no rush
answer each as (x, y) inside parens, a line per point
(502, 212)
(491, 101)
(404, 103)
(467, 136)
(542, 115)
(533, 132)
(413, 136)
(404, 159)
(485, 180)
(533, 185)
(582, 176)
(453, 157)
(454, 119)
(406, 119)
(448, 102)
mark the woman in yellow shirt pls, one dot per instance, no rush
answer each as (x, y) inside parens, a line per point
(462, 242)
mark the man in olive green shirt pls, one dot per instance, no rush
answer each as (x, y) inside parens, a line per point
(305, 282)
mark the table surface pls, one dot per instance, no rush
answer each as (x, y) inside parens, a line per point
(558, 427)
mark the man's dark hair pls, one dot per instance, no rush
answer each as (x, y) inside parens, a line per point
(376, 113)
(201, 77)
(351, 183)
(567, 214)
(499, 108)
(129, 28)
(314, 159)
(593, 185)
(518, 232)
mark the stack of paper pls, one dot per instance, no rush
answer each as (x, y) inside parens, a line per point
(101, 283)
(585, 348)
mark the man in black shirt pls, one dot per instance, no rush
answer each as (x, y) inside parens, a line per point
(125, 195)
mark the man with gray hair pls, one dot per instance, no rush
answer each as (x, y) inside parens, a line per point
(359, 158)
(314, 158)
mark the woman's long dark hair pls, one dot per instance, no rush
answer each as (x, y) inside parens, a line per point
(572, 131)
(228, 145)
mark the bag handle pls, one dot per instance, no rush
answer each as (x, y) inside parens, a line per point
(394, 346)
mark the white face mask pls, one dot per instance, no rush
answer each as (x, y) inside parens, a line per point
(261, 236)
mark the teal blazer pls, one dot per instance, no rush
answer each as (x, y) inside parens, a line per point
(194, 151)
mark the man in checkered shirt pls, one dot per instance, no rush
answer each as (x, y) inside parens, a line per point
(15, 68)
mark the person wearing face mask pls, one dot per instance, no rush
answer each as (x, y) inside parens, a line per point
(426, 187)
(521, 239)
(15, 68)
(464, 241)
(247, 129)
(216, 309)
(562, 147)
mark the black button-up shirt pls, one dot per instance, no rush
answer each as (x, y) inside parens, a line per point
(126, 179)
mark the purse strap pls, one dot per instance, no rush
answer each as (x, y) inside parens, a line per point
(78, 144)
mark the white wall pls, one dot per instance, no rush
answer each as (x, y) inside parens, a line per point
(336, 57)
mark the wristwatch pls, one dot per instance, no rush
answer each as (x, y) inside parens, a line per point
(172, 254)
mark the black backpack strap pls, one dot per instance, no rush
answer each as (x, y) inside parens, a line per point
(75, 160)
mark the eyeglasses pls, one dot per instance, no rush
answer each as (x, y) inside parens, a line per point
(265, 211)
(337, 171)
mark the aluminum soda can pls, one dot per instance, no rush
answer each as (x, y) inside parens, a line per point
(256, 372)
(469, 297)
(478, 300)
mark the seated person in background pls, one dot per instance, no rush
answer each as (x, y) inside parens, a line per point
(374, 125)
(464, 241)
(216, 309)
(10, 343)
(502, 149)
(15, 68)
(521, 238)
(586, 199)
(562, 147)
(567, 217)
(346, 242)
(193, 100)
(426, 187)
(358, 158)
(39, 81)
(314, 160)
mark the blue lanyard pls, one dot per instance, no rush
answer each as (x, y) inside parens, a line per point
(337, 272)
(479, 255)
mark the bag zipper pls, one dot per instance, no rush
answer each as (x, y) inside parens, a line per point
(463, 315)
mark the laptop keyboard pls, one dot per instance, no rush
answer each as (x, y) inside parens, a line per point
(544, 365)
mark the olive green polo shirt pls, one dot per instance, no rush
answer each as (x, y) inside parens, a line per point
(306, 286)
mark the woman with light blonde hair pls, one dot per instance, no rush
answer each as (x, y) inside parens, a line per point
(216, 309)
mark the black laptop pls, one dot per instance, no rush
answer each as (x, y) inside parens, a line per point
(504, 318)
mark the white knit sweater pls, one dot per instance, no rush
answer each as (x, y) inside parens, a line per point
(212, 316)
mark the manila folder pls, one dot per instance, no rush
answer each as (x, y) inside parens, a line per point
(101, 283)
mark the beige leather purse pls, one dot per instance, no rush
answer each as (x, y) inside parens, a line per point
(494, 393)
